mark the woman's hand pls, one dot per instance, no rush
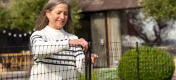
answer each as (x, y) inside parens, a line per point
(79, 42)
(93, 57)
(84, 44)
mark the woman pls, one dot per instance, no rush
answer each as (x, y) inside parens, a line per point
(58, 55)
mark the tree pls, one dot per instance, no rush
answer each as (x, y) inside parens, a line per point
(4, 16)
(76, 16)
(22, 14)
(159, 9)
(162, 11)
(158, 16)
(150, 30)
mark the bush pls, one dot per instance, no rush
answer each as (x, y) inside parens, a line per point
(154, 64)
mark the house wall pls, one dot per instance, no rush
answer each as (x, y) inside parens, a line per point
(115, 36)
(98, 35)
(107, 45)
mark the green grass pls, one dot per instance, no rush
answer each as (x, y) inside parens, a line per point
(108, 74)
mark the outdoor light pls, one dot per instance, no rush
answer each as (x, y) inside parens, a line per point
(9, 34)
(25, 34)
(14, 35)
(102, 42)
(4, 31)
(20, 35)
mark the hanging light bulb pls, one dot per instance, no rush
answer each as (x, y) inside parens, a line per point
(20, 35)
(4, 31)
(25, 34)
(9, 34)
(14, 35)
(34, 29)
(29, 32)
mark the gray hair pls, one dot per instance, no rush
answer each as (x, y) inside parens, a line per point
(43, 21)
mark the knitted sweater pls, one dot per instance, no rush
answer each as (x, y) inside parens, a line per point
(53, 58)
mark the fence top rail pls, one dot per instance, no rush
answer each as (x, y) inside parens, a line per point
(14, 54)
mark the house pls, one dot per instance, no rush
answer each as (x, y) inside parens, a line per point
(108, 21)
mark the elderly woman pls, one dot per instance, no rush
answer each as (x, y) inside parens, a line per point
(58, 55)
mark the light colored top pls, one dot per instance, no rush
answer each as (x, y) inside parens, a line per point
(53, 58)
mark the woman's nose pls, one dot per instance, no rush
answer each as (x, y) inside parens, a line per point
(62, 16)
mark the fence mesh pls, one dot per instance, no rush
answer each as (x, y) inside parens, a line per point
(64, 63)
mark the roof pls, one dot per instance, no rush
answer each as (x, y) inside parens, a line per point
(102, 5)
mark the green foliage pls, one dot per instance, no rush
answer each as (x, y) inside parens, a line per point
(159, 9)
(101, 75)
(154, 64)
(4, 17)
(76, 16)
(22, 14)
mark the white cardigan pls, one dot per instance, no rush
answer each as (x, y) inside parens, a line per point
(53, 58)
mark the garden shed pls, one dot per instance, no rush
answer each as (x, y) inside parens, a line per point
(108, 22)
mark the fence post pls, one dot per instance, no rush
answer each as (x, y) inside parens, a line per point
(86, 65)
(89, 51)
(137, 50)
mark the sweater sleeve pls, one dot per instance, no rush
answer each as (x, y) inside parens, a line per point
(79, 57)
(79, 61)
(43, 48)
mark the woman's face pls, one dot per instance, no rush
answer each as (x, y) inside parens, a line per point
(58, 16)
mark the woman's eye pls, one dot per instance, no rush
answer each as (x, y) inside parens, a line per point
(58, 12)
(65, 14)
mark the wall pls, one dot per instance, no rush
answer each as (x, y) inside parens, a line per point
(106, 36)
(98, 34)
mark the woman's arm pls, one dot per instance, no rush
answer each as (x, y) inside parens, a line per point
(44, 48)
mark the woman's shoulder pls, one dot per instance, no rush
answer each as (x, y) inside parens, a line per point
(36, 33)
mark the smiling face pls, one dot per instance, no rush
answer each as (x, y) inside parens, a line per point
(58, 16)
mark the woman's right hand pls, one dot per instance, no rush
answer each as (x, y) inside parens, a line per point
(79, 42)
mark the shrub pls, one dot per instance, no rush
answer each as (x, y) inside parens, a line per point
(154, 64)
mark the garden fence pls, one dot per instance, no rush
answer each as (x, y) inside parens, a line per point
(16, 62)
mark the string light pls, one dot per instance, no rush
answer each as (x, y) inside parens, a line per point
(30, 32)
(14, 35)
(25, 34)
(20, 35)
(34, 29)
(9, 34)
(4, 31)
(17, 35)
